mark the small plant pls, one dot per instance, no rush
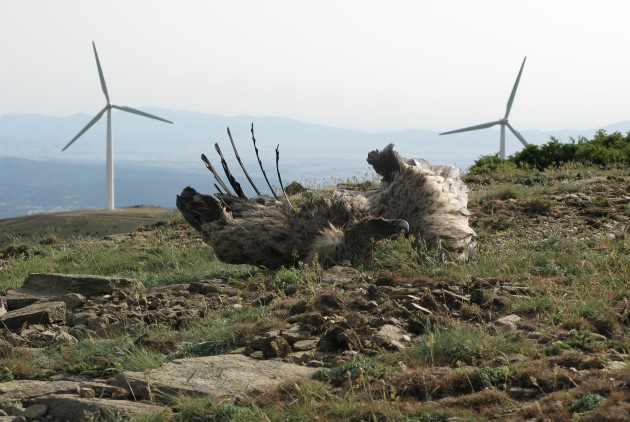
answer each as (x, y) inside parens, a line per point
(227, 330)
(100, 356)
(352, 370)
(462, 345)
(210, 409)
(586, 403)
(538, 206)
(286, 277)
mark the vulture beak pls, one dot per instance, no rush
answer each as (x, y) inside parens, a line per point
(401, 224)
(383, 229)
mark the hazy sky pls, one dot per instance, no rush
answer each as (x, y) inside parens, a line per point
(358, 64)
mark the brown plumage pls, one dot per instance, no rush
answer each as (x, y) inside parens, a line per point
(416, 197)
(266, 232)
(431, 198)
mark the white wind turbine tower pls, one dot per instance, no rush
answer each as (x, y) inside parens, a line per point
(503, 122)
(109, 165)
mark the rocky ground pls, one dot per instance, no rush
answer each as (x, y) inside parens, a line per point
(345, 316)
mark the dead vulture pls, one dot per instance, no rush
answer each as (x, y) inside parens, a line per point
(264, 231)
(415, 197)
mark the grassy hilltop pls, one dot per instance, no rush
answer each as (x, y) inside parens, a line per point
(554, 260)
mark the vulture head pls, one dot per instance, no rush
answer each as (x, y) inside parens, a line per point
(415, 197)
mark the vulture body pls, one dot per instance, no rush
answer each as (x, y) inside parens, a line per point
(266, 232)
(415, 197)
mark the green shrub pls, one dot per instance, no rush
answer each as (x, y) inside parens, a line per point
(486, 164)
(586, 403)
(354, 369)
(603, 149)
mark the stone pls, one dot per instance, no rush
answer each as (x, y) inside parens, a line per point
(339, 275)
(27, 389)
(73, 407)
(212, 287)
(73, 300)
(35, 411)
(275, 347)
(294, 334)
(87, 392)
(304, 345)
(57, 287)
(216, 376)
(64, 338)
(14, 409)
(391, 336)
(508, 322)
(41, 312)
(13, 338)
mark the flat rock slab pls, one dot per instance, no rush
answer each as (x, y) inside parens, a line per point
(24, 390)
(224, 376)
(48, 286)
(28, 389)
(73, 408)
(36, 313)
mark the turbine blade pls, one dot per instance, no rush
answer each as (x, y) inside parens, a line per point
(517, 134)
(466, 129)
(511, 100)
(141, 113)
(89, 125)
(100, 73)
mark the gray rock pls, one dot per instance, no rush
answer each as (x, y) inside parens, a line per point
(304, 345)
(73, 300)
(28, 389)
(73, 407)
(35, 411)
(13, 338)
(15, 409)
(508, 322)
(216, 376)
(41, 312)
(275, 347)
(44, 286)
(391, 336)
(65, 338)
(339, 275)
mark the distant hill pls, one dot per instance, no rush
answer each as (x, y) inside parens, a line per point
(154, 161)
(149, 142)
(95, 223)
(29, 186)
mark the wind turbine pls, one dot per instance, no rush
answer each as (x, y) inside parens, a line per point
(109, 165)
(503, 122)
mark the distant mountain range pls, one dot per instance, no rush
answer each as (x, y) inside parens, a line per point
(154, 160)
